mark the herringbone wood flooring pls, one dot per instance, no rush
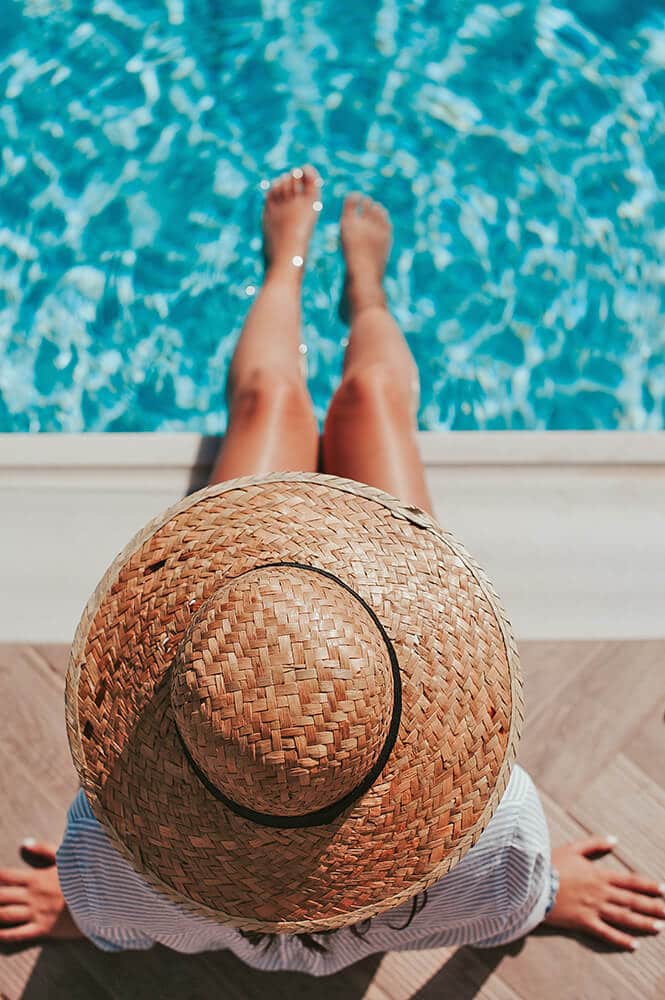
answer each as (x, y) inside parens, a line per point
(594, 743)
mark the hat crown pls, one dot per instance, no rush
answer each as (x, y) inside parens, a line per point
(282, 689)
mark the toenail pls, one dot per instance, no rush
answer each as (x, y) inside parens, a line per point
(297, 173)
(297, 261)
(317, 206)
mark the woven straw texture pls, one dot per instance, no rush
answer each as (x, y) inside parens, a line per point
(276, 680)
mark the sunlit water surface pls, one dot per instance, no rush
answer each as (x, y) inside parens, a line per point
(519, 148)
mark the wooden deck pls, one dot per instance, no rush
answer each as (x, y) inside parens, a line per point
(593, 742)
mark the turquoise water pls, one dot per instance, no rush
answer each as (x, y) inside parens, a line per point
(520, 149)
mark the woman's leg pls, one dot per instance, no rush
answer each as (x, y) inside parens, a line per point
(272, 426)
(370, 429)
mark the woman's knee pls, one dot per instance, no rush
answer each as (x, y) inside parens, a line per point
(371, 390)
(265, 391)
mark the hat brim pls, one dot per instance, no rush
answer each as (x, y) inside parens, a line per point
(461, 714)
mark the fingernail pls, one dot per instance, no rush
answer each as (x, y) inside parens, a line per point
(28, 842)
(634, 944)
(661, 888)
(658, 925)
(611, 839)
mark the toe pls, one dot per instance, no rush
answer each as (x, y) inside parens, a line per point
(352, 203)
(310, 179)
(275, 192)
(284, 186)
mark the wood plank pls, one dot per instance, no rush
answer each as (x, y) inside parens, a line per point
(548, 668)
(645, 745)
(615, 681)
(554, 963)
(401, 974)
(442, 972)
(56, 655)
(37, 782)
(57, 974)
(568, 746)
(32, 725)
(54, 971)
(627, 802)
(167, 975)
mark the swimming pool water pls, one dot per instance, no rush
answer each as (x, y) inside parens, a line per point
(520, 148)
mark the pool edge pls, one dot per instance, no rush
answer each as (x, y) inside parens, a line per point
(570, 526)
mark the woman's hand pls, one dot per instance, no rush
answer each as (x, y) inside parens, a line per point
(31, 902)
(599, 901)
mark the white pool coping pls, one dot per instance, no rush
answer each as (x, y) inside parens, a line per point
(570, 526)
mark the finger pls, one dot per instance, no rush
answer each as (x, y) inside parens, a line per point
(638, 902)
(13, 876)
(612, 935)
(12, 894)
(594, 845)
(622, 917)
(638, 883)
(24, 932)
(14, 914)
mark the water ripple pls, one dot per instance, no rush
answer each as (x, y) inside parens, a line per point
(519, 147)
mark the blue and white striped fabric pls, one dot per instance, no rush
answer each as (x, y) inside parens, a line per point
(497, 893)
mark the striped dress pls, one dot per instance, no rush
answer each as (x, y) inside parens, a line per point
(498, 892)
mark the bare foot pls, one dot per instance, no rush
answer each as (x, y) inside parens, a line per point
(366, 237)
(599, 901)
(292, 207)
(32, 906)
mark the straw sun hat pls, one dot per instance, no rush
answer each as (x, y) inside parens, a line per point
(293, 702)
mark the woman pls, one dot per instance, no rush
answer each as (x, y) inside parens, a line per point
(508, 881)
